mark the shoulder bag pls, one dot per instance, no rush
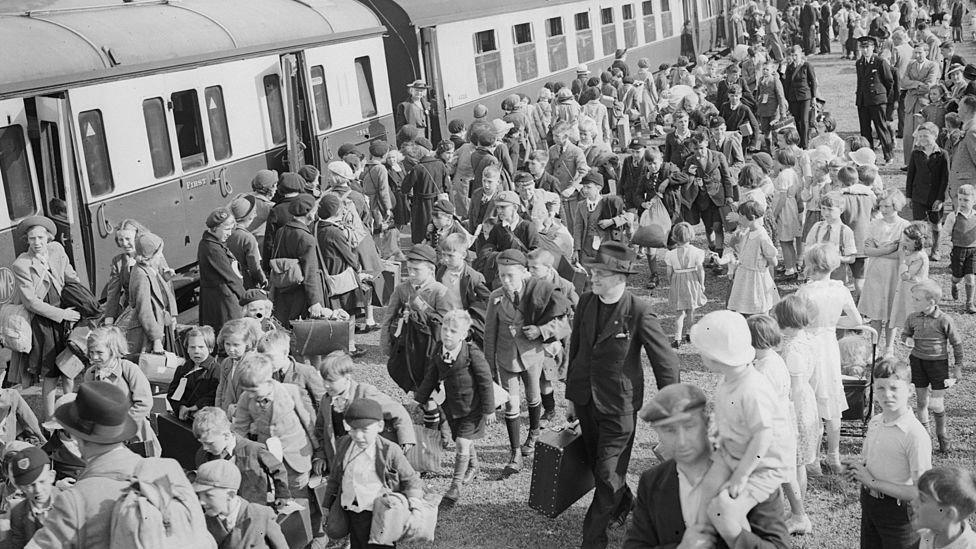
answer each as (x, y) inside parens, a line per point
(286, 272)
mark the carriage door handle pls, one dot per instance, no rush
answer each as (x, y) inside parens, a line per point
(220, 178)
(104, 225)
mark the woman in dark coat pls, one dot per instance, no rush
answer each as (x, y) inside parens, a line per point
(297, 242)
(221, 284)
(338, 255)
(428, 179)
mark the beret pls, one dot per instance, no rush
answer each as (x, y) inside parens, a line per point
(455, 126)
(252, 295)
(264, 180)
(424, 142)
(512, 256)
(345, 149)
(301, 205)
(218, 217)
(363, 411)
(291, 182)
(242, 206)
(480, 111)
(329, 205)
(378, 148)
(672, 403)
(309, 173)
(592, 177)
(147, 244)
(28, 464)
(407, 133)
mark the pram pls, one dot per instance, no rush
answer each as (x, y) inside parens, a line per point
(854, 420)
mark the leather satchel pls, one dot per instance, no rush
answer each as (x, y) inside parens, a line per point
(342, 283)
(286, 272)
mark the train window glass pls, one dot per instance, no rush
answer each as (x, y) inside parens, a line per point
(487, 62)
(15, 172)
(630, 25)
(367, 95)
(665, 5)
(160, 151)
(608, 31)
(321, 96)
(650, 25)
(647, 7)
(97, 163)
(217, 116)
(189, 129)
(667, 24)
(556, 44)
(526, 65)
(276, 108)
(584, 37)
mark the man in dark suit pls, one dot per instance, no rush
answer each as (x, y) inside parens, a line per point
(874, 91)
(706, 191)
(605, 382)
(678, 415)
(809, 16)
(949, 58)
(800, 85)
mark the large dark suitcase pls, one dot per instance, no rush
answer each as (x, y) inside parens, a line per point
(575, 274)
(176, 438)
(319, 337)
(560, 474)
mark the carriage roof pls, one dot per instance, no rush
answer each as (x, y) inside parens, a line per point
(50, 43)
(435, 12)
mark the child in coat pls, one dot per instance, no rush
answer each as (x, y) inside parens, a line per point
(258, 305)
(686, 270)
(277, 345)
(32, 474)
(787, 206)
(232, 520)
(237, 339)
(961, 226)
(194, 384)
(469, 400)
(753, 290)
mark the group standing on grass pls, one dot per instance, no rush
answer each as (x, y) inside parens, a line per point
(525, 230)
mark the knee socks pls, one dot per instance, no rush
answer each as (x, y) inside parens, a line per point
(514, 430)
(549, 401)
(535, 415)
(940, 424)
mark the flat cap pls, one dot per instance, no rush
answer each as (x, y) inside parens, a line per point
(512, 257)
(362, 412)
(220, 473)
(673, 403)
(422, 252)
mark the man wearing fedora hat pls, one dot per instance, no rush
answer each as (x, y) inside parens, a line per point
(605, 381)
(579, 84)
(82, 515)
(415, 109)
(667, 498)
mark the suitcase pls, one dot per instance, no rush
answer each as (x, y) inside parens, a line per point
(176, 438)
(319, 337)
(384, 286)
(159, 368)
(297, 526)
(575, 274)
(560, 474)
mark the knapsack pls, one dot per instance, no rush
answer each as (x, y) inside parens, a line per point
(159, 510)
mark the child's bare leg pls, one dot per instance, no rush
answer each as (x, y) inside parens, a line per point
(922, 406)
(833, 444)
(679, 324)
(799, 522)
(798, 245)
(716, 477)
(789, 255)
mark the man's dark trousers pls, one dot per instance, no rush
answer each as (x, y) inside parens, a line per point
(875, 114)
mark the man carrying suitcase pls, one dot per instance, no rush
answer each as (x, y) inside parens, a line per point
(605, 382)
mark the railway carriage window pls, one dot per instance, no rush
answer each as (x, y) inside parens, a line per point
(217, 116)
(608, 30)
(276, 108)
(97, 164)
(630, 26)
(367, 96)
(526, 65)
(650, 25)
(15, 172)
(321, 96)
(556, 44)
(667, 24)
(160, 151)
(487, 62)
(584, 37)
(189, 129)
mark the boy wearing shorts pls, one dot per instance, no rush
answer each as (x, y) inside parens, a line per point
(962, 230)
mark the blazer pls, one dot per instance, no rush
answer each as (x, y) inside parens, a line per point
(715, 176)
(474, 295)
(928, 177)
(395, 416)
(256, 527)
(731, 148)
(515, 352)
(658, 523)
(468, 386)
(286, 420)
(258, 467)
(23, 525)
(874, 82)
(722, 93)
(799, 82)
(32, 283)
(311, 388)
(568, 165)
(604, 361)
(392, 466)
(480, 209)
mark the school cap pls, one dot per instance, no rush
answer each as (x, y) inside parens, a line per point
(635, 145)
(512, 256)
(147, 244)
(219, 473)
(28, 464)
(329, 205)
(264, 180)
(508, 197)
(301, 205)
(309, 173)
(291, 182)
(592, 177)
(252, 295)
(339, 168)
(346, 149)
(217, 217)
(422, 252)
(444, 207)
(672, 403)
(723, 336)
(455, 126)
(480, 111)
(378, 148)
(865, 40)
(242, 206)
(362, 412)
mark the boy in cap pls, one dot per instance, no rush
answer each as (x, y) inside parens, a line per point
(667, 498)
(353, 477)
(232, 520)
(244, 245)
(32, 474)
(601, 218)
(535, 201)
(511, 231)
(524, 315)
(264, 185)
(443, 223)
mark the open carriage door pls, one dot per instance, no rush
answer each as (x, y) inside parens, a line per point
(435, 94)
(59, 182)
(301, 135)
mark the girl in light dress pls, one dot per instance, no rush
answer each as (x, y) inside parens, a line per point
(686, 270)
(881, 274)
(833, 300)
(799, 352)
(811, 191)
(753, 289)
(913, 267)
(786, 209)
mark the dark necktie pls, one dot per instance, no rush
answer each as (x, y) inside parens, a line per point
(826, 236)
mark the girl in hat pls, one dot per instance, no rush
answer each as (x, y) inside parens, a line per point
(195, 382)
(40, 274)
(116, 292)
(153, 303)
(221, 284)
(244, 245)
(106, 349)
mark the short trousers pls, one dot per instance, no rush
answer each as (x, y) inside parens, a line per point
(962, 261)
(929, 372)
(530, 378)
(923, 212)
(471, 426)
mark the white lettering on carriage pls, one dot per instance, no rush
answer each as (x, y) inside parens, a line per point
(195, 183)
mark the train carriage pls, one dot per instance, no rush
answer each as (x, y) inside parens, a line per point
(473, 52)
(163, 110)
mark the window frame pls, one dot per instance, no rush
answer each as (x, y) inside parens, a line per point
(218, 119)
(324, 123)
(608, 32)
(24, 165)
(159, 139)
(199, 159)
(585, 49)
(629, 25)
(649, 21)
(485, 60)
(366, 65)
(87, 152)
(667, 22)
(524, 54)
(277, 119)
(556, 45)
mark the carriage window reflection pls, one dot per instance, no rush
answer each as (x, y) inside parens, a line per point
(367, 95)
(160, 151)
(217, 116)
(93, 144)
(320, 95)
(584, 37)
(556, 44)
(276, 108)
(15, 173)
(526, 65)
(189, 129)
(487, 62)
